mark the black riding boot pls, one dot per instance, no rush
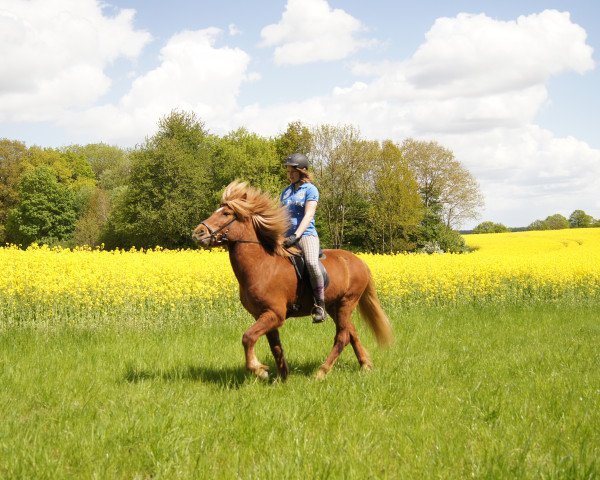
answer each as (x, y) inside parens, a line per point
(318, 312)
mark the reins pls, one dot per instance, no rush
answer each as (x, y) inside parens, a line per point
(243, 241)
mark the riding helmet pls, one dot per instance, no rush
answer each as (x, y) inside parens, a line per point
(297, 160)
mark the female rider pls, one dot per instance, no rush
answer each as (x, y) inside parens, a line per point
(301, 198)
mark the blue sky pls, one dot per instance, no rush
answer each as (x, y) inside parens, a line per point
(510, 87)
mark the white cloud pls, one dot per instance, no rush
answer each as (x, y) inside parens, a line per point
(472, 55)
(475, 86)
(193, 75)
(474, 72)
(53, 55)
(311, 31)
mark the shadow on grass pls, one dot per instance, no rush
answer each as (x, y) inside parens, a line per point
(225, 377)
(307, 369)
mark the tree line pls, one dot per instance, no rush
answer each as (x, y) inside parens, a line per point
(577, 219)
(379, 196)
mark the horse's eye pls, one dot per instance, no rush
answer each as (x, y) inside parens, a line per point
(227, 214)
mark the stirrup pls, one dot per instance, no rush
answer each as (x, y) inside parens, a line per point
(318, 314)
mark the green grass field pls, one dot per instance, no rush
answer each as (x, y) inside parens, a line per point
(467, 392)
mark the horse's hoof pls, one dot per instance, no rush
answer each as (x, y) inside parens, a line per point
(321, 374)
(262, 373)
(366, 367)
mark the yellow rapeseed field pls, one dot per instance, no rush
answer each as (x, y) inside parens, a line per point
(521, 267)
(505, 267)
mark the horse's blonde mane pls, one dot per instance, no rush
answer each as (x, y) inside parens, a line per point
(269, 219)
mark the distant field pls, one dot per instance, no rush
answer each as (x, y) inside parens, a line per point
(130, 365)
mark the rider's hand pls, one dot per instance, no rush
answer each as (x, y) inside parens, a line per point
(289, 241)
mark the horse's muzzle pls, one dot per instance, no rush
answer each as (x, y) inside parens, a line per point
(202, 236)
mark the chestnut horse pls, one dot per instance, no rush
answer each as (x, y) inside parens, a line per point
(252, 225)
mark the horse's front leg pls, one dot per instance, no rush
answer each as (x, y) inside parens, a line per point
(266, 322)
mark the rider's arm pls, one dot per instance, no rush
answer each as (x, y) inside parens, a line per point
(310, 207)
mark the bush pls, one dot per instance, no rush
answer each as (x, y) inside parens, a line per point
(433, 236)
(490, 227)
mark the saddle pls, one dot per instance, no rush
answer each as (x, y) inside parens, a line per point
(304, 277)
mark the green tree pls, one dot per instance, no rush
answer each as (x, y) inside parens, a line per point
(556, 222)
(341, 161)
(110, 164)
(490, 227)
(449, 193)
(248, 156)
(434, 236)
(442, 179)
(169, 190)
(395, 205)
(71, 169)
(90, 226)
(538, 225)
(46, 212)
(12, 165)
(296, 139)
(580, 219)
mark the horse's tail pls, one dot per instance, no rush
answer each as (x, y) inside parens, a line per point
(371, 311)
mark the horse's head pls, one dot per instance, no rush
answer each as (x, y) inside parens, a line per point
(246, 215)
(221, 226)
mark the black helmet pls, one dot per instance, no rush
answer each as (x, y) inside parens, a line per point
(296, 160)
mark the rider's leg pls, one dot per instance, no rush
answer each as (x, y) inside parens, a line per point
(310, 249)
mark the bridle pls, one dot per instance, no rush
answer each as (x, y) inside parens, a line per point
(217, 238)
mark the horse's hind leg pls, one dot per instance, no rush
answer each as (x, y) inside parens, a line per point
(342, 337)
(277, 350)
(359, 350)
(345, 333)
